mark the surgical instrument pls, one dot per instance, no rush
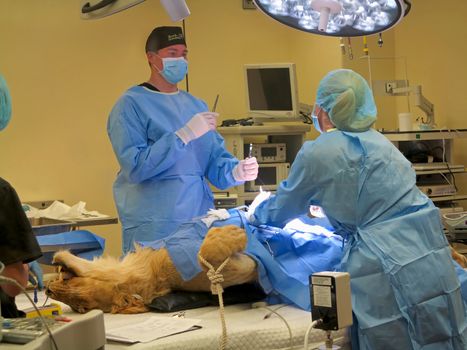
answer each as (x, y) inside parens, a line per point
(215, 103)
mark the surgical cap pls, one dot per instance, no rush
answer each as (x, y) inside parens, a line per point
(162, 37)
(5, 104)
(347, 99)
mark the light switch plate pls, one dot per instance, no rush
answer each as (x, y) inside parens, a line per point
(249, 5)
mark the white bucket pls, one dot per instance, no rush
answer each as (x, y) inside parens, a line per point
(405, 121)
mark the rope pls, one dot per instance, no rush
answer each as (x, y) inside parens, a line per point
(216, 279)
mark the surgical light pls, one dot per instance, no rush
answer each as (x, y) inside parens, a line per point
(343, 18)
(176, 9)
(104, 8)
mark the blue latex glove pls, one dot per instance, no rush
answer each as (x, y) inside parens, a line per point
(36, 275)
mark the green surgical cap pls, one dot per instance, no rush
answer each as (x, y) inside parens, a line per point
(347, 99)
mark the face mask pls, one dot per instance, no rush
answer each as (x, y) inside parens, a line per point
(5, 104)
(174, 69)
(316, 123)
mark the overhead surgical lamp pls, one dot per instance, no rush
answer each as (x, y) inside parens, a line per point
(176, 9)
(342, 18)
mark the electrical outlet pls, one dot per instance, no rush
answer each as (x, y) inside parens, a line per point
(331, 300)
(390, 85)
(249, 5)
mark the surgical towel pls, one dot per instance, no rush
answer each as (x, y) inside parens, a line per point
(214, 215)
(82, 243)
(61, 211)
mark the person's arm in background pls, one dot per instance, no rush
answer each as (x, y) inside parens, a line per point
(221, 165)
(140, 158)
(293, 196)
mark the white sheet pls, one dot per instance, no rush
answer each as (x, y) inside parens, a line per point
(247, 329)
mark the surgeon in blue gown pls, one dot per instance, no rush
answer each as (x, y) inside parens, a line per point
(167, 147)
(405, 291)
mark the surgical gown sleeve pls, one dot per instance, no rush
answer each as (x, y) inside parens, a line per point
(221, 165)
(294, 195)
(140, 157)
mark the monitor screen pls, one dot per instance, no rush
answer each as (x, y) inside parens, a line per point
(271, 90)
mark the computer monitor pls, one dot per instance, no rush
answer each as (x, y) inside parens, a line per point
(272, 93)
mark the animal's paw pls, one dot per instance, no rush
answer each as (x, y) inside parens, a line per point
(70, 263)
(61, 257)
(222, 242)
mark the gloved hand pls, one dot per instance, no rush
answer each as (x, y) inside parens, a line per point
(246, 170)
(260, 198)
(35, 275)
(197, 126)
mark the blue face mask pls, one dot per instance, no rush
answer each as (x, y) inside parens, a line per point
(5, 104)
(316, 123)
(174, 69)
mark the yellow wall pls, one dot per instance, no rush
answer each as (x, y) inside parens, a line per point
(378, 64)
(432, 38)
(65, 74)
(429, 42)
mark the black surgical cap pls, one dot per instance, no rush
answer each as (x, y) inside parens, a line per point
(162, 37)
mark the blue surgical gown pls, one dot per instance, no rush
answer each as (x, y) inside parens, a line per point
(405, 291)
(162, 182)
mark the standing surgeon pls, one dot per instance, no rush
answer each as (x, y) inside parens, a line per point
(405, 291)
(167, 147)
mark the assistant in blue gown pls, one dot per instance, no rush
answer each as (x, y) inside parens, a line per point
(405, 291)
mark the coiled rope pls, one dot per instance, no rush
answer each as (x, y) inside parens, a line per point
(216, 279)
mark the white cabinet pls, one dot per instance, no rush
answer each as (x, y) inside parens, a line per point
(236, 137)
(428, 146)
(430, 151)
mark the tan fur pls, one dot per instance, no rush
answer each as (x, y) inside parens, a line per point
(461, 259)
(126, 286)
